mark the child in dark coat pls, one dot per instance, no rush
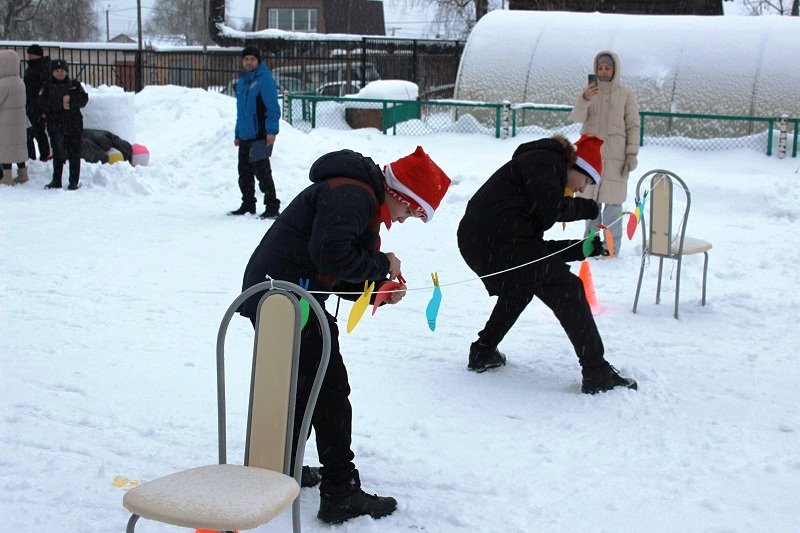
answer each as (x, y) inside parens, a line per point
(61, 100)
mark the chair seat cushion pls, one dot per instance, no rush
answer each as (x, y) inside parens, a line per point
(221, 497)
(691, 246)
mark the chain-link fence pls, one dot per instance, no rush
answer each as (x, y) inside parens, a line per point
(700, 132)
(420, 117)
(395, 117)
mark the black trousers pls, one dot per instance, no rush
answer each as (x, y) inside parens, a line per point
(563, 293)
(66, 147)
(333, 415)
(37, 132)
(249, 172)
(332, 419)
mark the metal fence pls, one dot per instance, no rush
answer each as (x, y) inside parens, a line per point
(419, 117)
(315, 63)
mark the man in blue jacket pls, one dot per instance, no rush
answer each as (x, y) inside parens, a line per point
(257, 118)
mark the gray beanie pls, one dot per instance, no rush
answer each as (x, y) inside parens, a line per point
(605, 58)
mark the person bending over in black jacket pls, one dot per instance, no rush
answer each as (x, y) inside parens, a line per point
(329, 234)
(61, 100)
(503, 227)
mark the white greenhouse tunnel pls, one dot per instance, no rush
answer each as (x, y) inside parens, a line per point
(727, 65)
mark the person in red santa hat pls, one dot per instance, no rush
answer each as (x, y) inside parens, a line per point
(329, 234)
(501, 237)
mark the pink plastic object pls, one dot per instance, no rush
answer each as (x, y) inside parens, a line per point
(141, 155)
(384, 293)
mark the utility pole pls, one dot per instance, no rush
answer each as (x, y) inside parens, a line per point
(205, 46)
(139, 73)
(108, 36)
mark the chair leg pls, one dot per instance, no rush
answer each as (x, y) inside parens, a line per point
(678, 286)
(705, 272)
(639, 284)
(296, 515)
(658, 286)
(131, 523)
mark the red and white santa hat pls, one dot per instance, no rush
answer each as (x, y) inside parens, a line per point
(416, 181)
(589, 159)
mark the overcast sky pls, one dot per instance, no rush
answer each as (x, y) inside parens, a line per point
(122, 14)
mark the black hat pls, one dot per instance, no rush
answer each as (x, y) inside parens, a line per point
(57, 64)
(251, 51)
(35, 50)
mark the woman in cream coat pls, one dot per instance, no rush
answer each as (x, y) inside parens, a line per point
(609, 110)
(13, 121)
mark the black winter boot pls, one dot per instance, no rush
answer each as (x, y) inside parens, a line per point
(244, 209)
(339, 503)
(272, 209)
(54, 184)
(483, 358)
(310, 477)
(603, 379)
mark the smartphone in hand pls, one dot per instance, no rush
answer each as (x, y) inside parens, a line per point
(592, 78)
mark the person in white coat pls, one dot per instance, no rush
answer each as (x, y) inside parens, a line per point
(13, 121)
(608, 109)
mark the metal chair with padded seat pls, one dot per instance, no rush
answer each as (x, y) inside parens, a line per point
(228, 497)
(665, 237)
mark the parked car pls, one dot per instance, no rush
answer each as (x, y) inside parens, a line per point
(339, 88)
(316, 77)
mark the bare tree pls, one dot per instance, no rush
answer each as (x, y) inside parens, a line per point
(184, 18)
(776, 7)
(15, 15)
(453, 19)
(51, 20)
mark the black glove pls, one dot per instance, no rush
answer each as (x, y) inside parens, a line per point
(568, 250)
(597, 247)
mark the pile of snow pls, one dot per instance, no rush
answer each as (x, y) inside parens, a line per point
(389, 90)
(111, 109)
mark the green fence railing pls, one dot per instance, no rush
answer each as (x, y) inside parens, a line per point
(407, 117)
(415, 117)
(699, 126)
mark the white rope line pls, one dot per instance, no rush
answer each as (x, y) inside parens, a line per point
(468, 280)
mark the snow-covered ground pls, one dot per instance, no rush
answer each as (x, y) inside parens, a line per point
(110, 299)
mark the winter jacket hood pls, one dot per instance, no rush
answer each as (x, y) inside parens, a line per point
(13, 122)
(347, 163)
(617, 67)
(542, 144)
(9, 64)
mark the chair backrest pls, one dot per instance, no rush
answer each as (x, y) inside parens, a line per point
(660, 215)
(273, 383)
(667, 217)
